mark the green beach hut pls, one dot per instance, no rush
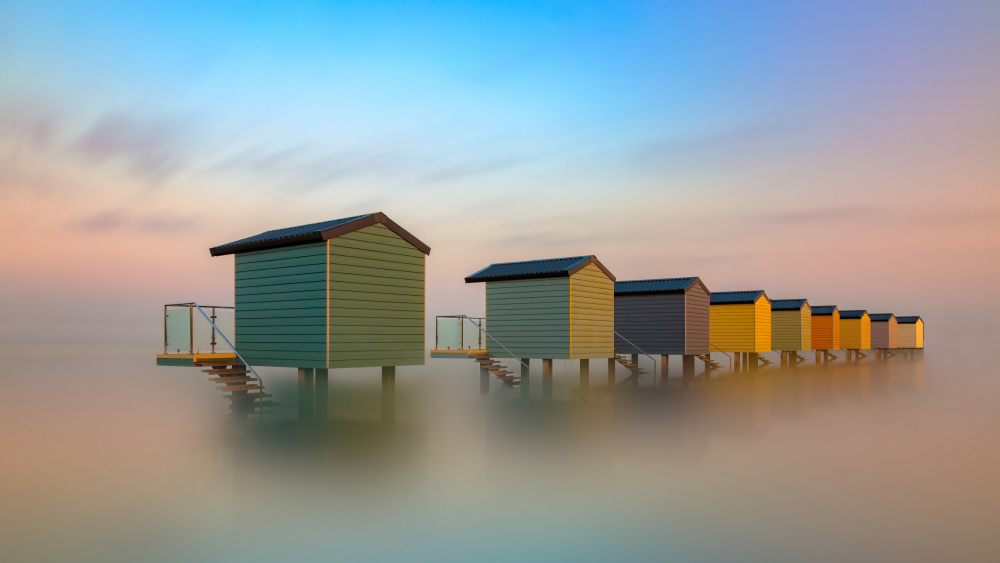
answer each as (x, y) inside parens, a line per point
(337, 294)
(561, 308)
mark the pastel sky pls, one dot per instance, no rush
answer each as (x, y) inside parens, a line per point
(847, 152)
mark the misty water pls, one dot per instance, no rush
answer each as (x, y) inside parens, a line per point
(108, 457)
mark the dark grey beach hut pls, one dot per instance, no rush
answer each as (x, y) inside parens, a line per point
(668, 316)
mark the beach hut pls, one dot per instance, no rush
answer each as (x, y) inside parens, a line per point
(664, 316)
(884, 331)
(855, 330)
(336, 294)
(560, 308)
(740, 321)
(791, 325)
(910, 332)
(825, 328)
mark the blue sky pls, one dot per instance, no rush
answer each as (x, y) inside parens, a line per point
(498, 131)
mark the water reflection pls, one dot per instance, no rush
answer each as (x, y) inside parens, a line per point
(585, 421)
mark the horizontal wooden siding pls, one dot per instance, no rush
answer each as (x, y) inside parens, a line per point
(697, 333)
(592, 314)
(529, 317)
(786, 330)
(655, 323)
(376, 300)
(732, 327)
(281, 306)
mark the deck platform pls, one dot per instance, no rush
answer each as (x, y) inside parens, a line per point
(188, 360)
(456, 353)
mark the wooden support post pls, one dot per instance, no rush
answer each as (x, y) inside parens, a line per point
(687, 366)
(753, 361)
(547, 380)
(784, 359)
(736, 362)
(305, 394)
(611, 371)
(525, 379)
(322, 402)
(388, 393)
(584, 373)
(664, 369)
(817, 357)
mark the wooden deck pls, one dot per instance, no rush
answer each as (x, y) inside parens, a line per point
(188, 360)
(455, 353)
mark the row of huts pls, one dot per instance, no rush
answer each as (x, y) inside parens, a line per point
(574, 308)
(350, 293)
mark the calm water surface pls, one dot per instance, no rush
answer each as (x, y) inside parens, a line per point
(107, 457)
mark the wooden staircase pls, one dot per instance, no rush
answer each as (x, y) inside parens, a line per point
(798, 358)
(635, 372)
(710, 364)
(830, 356)
(497, 369)
(245, 393)
(763, 360)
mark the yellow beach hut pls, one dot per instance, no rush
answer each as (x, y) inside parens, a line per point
(855, 330)
(740, 321)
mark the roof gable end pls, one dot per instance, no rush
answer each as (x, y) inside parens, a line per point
(316, 232)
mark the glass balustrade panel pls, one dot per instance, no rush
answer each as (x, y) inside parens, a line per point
(449, 333)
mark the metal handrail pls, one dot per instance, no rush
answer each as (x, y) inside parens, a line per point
(238, 355)
(727, 355)
(643, 352)
(494, 339)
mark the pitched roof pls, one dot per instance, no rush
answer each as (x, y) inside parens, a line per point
(315, 232)
(664, 285)
(787, 304)
(877, 317)
(853, 314)
(548, 268)
(735, 297)
(820, 310)
(908, 320)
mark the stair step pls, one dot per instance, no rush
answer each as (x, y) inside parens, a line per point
(232, 379)
(238, 387)
(248, 395)
(226, 371)
(218, 363)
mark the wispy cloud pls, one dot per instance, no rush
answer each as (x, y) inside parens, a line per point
(120, 220)
(152, 149)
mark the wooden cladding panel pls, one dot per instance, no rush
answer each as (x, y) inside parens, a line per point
(529, 317)
(592, 314)
(762, 325)
(280, 306)
(697, 333)
(885, 334)
(786, 330)
(910, 335)
(732, 327)
(376, 300)
(826, 331)
(791, 330)
(855, 334)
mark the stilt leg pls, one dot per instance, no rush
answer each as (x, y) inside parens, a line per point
(547, 380)
(388, 393)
